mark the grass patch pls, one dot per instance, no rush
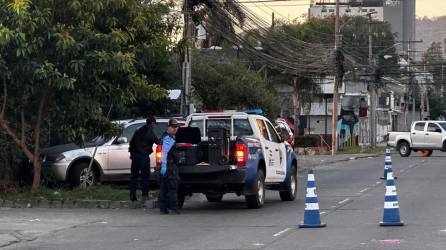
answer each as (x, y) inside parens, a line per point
(102, 192)
(362, 150)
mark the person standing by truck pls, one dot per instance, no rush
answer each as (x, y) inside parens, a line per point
(141, 146)
(169, 176)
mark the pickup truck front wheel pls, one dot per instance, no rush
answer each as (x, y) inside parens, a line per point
(257, 200)
(404, 149)
(290, 193)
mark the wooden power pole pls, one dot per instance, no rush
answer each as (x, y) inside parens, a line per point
(334, 117)
(186, 67)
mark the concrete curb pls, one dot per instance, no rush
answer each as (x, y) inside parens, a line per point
(72, 204)
(322, 163)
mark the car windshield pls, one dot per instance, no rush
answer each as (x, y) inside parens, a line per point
(443, 125)
(241, 126)
(99, 140)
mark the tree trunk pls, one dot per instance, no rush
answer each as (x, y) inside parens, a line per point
(37, 129)
(296, 106)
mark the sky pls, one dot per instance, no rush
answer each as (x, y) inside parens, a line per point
(297, 8)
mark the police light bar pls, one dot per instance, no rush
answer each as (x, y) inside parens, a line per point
(254, 111)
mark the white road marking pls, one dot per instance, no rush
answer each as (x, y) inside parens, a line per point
(343, 201)
(365, 189)
(34, 220)
(282, 232)
(258, 244)
(378, 182)
(444, 230)
(323, 213)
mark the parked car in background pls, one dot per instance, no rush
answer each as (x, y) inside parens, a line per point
(285, 131)
(423, 136)
(69, 163)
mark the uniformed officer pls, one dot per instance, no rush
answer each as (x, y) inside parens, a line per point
(140, 149)
(169, 176)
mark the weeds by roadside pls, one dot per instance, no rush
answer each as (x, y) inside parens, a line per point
(102, 192)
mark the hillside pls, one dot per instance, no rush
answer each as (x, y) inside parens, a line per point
(430, 30)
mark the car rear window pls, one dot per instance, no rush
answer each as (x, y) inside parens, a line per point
(241, 126)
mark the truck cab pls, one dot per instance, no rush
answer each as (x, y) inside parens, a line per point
(234, 152)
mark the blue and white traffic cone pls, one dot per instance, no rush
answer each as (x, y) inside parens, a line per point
(312, 217)
(387, 164)
(391, 215)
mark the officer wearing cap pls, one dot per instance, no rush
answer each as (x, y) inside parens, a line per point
(169, 176)
(140, 149)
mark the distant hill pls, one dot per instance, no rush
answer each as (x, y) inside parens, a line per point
(430, 30)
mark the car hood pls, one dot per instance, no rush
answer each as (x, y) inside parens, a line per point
(59, 149)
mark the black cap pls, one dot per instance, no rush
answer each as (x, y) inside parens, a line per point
(173, 123)
(150, 120)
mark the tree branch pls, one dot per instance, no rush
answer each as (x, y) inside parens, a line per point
(23, 126)
(40, 114)
(5, 96)
(8, 131)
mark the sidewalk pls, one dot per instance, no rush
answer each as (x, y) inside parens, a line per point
(305, 162)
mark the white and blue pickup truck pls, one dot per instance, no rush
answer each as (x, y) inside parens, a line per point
(423, 135)
(234, 152)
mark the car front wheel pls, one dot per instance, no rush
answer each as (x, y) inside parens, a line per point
(81, 176)
(290, 193)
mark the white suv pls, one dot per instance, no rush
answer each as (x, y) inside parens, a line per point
(69, 163)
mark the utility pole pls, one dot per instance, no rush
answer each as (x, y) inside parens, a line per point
(186, 67)
(338, 79)
(372, 118)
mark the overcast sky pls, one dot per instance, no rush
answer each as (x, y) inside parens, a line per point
(297, 8)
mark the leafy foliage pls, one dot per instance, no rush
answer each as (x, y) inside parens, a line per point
(69, 61)
(231, 85)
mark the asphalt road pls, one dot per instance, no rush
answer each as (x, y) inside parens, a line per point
(351, 197)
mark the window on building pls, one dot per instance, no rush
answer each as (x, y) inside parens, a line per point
(324, 10)
(372, 10)
(364, 10)
(331, 10)
(348, 10)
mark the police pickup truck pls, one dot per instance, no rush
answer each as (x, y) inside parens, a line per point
(234, 152)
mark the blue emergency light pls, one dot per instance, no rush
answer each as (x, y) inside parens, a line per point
(254, 111)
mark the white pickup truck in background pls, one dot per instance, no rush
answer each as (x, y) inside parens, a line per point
(423, 135)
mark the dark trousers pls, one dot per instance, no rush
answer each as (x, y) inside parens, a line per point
(168, 192)
(140, 167)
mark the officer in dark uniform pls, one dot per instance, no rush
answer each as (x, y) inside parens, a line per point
(169, 176)
(140, 149)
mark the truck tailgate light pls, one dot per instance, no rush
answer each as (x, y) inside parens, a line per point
(241, 154)
(158, 155)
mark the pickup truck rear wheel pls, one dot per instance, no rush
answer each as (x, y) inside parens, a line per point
(257, 200)
(180, 199)
(404, 149)
(291, 187)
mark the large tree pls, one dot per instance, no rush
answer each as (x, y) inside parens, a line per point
(66, 60)
(230, 84)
